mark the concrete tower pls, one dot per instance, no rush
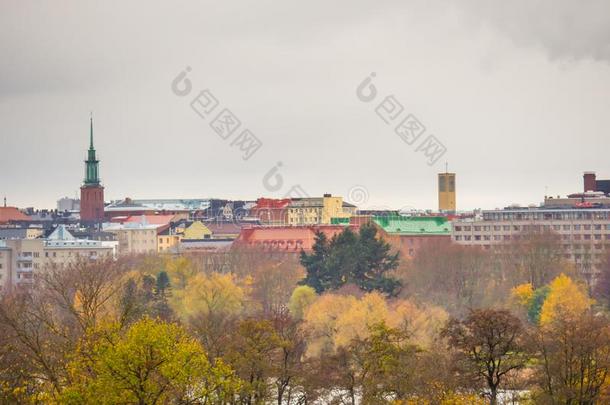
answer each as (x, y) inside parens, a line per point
(91, 192)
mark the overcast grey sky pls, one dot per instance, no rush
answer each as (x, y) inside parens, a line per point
(518, 92)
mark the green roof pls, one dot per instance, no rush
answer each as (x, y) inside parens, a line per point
(339, 221)
(414, 225)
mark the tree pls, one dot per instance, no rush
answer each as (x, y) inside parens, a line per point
(565, 298)
(362, 259)
(292, 349)
(153, 362)
(531, 300)
(534, 256)
(216, 293)
(387, 362)
(272, 285)
(488, 345)
(302, 297)
(254, 352)
(574, 358)
(453, 276)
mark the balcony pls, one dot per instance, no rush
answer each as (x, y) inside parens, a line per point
(24, 258)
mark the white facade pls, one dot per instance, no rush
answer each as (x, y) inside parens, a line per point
(584, 233)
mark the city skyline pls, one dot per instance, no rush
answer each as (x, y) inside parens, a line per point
(519, 106)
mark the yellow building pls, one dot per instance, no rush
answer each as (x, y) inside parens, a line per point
(166, 241)
(197, 230)
(315, 211)
(446, 192)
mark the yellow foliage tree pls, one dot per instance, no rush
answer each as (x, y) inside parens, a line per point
(336, 320)
(355, 322)
(150, 363)
(423, 321)
(523, 294)
(213, 294)
(302, 297)
(565, 298)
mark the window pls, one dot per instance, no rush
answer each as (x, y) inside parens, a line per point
(577, 227)
(458, 228)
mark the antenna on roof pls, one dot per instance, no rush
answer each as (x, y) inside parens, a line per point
(4, 201)
(446, 167)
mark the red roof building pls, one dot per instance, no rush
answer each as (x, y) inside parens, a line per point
(12, 214)
(289, 239)
(271, 211)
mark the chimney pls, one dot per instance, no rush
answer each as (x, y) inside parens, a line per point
(590, 183)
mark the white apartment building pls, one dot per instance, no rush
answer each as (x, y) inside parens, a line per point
(584, 233)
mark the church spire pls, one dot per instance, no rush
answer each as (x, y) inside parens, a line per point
(91, 164)
(91, 132)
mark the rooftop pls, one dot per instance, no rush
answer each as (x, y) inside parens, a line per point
(403, 225)
(8, 214)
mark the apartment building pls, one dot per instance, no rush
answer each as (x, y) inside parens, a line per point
(318, 211)
(136, 237)
(20, 258)
(584, 232)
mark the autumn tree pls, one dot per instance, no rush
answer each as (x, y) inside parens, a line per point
(533, 256)
(386, 360)
(574, 358)
(292, 339)
(453, 276)
(152, 362)
(488, 345)
(565, 298)
(43, 323)
(211, 305)
(254, 351)
(300, 299)
(273, 283)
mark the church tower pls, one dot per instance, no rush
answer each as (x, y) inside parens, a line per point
(91, 192)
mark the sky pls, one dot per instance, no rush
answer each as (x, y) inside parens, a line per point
(515, 96)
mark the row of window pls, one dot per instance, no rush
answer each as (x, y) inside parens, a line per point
(518, 228)
(517, 237)
(546, 216)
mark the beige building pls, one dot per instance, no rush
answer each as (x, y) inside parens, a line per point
(19, 258)
(316, 211)
(136, 237)
(584, 233)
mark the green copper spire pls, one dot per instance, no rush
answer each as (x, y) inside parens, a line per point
(91, 164)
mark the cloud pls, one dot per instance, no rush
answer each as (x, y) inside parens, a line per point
(565, 30)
